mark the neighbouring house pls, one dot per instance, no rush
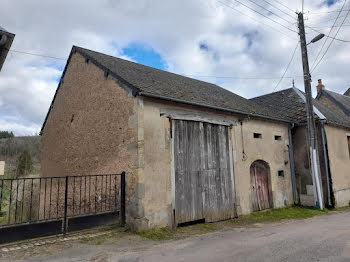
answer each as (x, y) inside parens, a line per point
(6, 39)
(334, 100)
(333, 136)
(191, 150)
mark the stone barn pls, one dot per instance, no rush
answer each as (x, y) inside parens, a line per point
(191, 150)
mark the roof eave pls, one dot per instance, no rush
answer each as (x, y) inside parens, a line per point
(212, 107)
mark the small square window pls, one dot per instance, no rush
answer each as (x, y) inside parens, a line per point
(281, 173)
(257, 135)
(278, 138)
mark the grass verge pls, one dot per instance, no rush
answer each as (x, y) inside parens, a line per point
(273, 215)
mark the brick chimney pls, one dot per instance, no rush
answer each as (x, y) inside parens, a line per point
(320, 86)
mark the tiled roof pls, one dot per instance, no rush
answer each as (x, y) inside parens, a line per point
(289, 104)
(150, 81)
(342, 101)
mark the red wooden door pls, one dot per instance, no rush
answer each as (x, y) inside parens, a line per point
(260, 185)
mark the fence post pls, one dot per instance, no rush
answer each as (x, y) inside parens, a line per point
(122, 198)
(64, 229)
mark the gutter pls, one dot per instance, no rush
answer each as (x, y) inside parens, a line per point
(211, 107)
(326, 161)
(292, 168)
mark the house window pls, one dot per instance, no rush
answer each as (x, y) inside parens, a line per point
(257, 135)
(281, 173)
(278, 137)
(349, 144)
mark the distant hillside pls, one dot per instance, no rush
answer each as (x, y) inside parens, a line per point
(11, 148)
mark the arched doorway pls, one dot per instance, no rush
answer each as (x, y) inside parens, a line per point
(260, 185)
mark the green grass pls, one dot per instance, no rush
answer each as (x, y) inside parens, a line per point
(279, 214)
(157, 233)
(273, 215)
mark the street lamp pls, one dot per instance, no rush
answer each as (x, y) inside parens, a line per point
(316, 38)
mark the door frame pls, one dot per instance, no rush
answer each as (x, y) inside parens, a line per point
(269, 184)
(172, 162)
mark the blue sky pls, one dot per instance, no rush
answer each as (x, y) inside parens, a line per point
(145, 55)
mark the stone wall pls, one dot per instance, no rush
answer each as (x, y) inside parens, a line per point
(92, 127)
(155, 176)
(339, 162)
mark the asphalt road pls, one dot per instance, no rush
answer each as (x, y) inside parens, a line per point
(323, 238)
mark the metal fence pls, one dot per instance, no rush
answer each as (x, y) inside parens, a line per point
(26, 201)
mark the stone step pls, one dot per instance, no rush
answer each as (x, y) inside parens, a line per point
(307, 200)
(310, 190)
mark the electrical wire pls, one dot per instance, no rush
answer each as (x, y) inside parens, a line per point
(243, 78)
(285, 71)
(284, 6)
(326, 12)
(191, 75)
(333, 18)
(261, 6)
(32, 54)
(269, 18)
(315, 27)
(279, 9)
(330, 43)
(256, 20)
(331, 37)
(329, 33)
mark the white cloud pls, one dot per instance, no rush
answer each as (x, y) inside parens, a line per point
(236, 45)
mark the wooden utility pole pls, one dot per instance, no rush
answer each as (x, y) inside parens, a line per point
(311, 127)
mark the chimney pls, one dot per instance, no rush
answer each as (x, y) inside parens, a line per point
(320, 86)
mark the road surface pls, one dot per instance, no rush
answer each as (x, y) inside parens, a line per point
(323, 238)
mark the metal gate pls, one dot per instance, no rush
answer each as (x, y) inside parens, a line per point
(51, 205)
(203, 172)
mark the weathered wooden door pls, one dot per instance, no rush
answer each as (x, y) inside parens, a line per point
(203, 181)
(260, 185)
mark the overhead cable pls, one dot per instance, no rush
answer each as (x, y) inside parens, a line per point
(256, 20)
(329, 33)
(285, 71)
(333, 38)
(267, 17)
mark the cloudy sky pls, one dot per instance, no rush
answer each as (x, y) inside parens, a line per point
(201, 39)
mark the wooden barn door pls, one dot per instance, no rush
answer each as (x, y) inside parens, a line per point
(203, 183)
(260, 185)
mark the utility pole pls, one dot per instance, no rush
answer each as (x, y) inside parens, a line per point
(311, 127)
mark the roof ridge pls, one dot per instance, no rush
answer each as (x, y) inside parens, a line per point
(333, 92)
(269, 94)
(153, 68)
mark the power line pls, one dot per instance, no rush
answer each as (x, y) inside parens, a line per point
(315, 27)
(193, 75)
(330, 43)
(329, 33)
(256, 20)
(261, 6)
(333, 18)
(284, 6)
(264, 16)
(285, 71)
(33, 54)
(279, 9)
(326, 12)
(331, 37)
(243, 78)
